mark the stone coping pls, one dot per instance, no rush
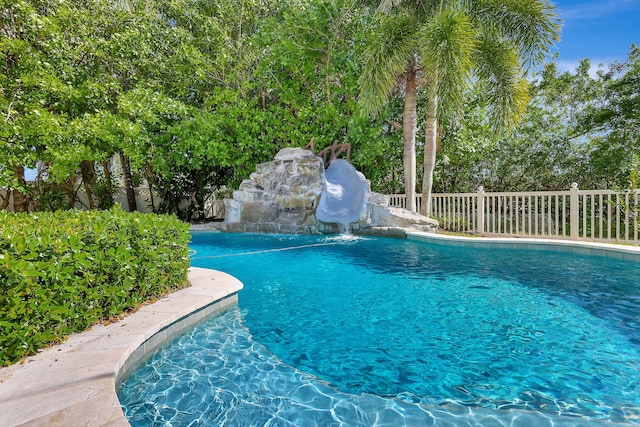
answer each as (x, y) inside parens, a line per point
(74, 383)
(555, 245)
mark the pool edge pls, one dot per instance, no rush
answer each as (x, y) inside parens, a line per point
(580, 247)
(74, 383)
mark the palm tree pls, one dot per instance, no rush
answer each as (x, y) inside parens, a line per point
(447, 44)
(391, 58)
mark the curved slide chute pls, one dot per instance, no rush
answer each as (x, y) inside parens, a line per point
(344, 196)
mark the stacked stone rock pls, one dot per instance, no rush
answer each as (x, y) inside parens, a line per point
(281, 196)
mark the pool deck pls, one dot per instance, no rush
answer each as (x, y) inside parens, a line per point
(74, 383)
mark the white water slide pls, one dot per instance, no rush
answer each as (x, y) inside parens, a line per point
(344, 196)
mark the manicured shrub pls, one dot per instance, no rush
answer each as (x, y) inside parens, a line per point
(60, 272)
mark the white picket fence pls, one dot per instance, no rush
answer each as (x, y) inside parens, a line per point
(600, 215)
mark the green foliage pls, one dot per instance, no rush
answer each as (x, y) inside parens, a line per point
(628, 198)
(612, 121)
(307, 82)
(63, 271)
(546, 151)
(193, 94)
(579, 127)
(463, 156)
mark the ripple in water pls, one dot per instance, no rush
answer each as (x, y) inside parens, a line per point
(216, 375)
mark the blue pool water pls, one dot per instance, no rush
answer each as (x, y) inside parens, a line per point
(375, 331)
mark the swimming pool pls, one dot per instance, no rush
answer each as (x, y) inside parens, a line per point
(375, 331)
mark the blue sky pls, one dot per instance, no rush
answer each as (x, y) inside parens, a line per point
(600, 30)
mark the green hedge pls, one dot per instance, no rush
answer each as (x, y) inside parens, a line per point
(61, 272)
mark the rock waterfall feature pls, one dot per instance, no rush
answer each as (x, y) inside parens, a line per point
(294, 195)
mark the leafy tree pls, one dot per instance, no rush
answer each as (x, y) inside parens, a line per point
(305, 86)
(184, 94)
(54, 82)
(180, 92)
(26, 127)
(579, 127)
(69, 69)
(613, 122)
(464, 149)
(547, 151)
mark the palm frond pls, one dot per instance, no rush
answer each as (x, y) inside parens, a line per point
(448, 43)
(389, 50)
(502, 82)
(386, 6)
(531, 25)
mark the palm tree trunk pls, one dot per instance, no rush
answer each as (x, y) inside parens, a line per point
(409, 137)
(128, 183)
(430, 150)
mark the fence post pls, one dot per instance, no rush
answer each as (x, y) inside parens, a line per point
(480, 196)
(574, 212)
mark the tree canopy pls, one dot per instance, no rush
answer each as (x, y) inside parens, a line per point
(189, 95)
(580, 126)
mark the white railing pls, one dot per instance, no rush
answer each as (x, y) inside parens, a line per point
(602, 215)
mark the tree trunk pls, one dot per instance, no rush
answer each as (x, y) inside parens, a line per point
(4, 204)
(430, 150)
(20, 200)
(88, 172)
(69, 187)
(409, 137)
(106, 165)
(128, 183)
